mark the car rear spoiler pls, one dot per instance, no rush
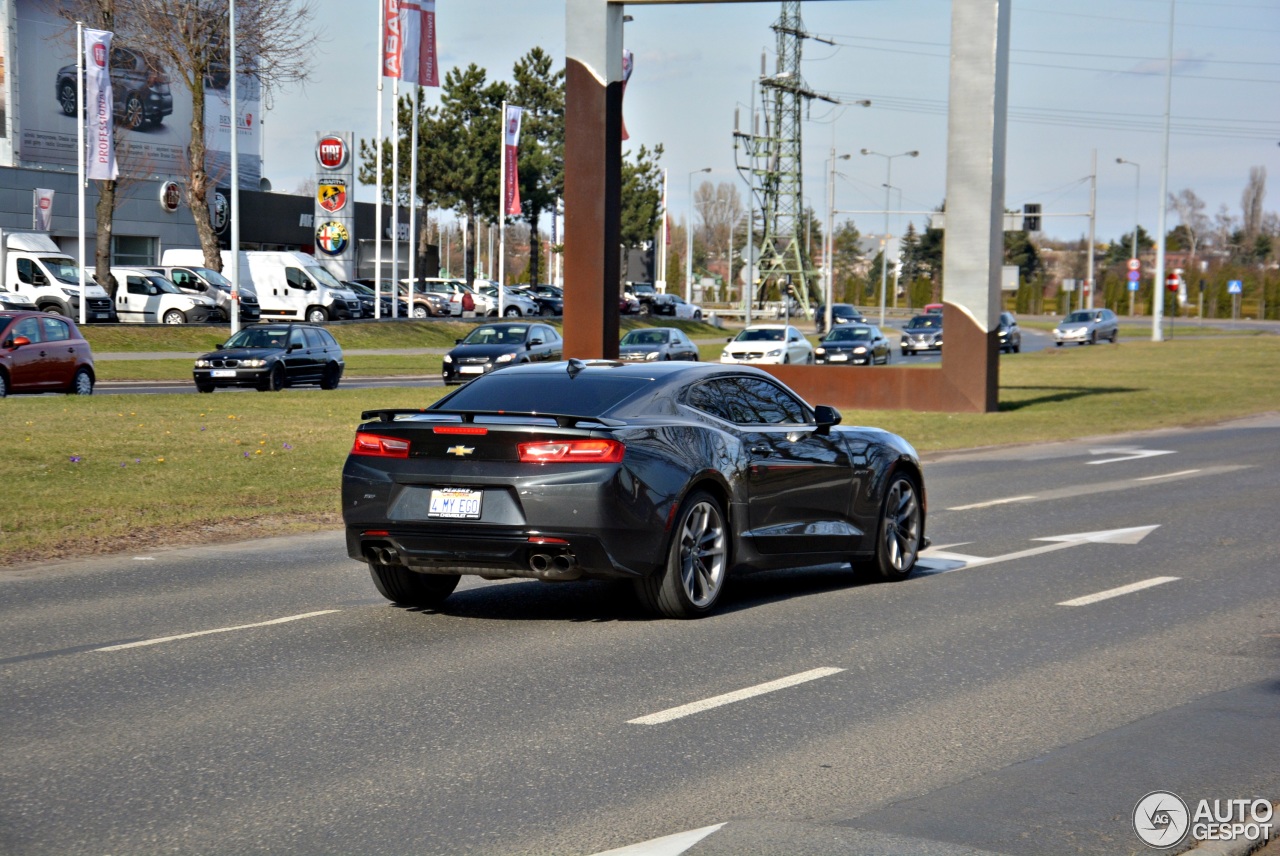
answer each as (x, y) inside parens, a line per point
(562, 420)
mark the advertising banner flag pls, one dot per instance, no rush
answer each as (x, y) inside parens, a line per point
(100, 154)
(392, 38)
(511, 141)
(628, 63)
(42, 209)
(418, 37)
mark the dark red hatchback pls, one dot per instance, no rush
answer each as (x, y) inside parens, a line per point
(40, 352)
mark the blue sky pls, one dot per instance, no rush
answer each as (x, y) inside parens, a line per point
(1084, 75)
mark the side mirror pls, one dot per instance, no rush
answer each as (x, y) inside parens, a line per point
(533, 342)
(16, 341)
(457, 341)
(292, 348)
(38, 278)
(826, 416)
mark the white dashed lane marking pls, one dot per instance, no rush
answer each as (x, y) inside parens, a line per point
(162, 639)
(735, 696)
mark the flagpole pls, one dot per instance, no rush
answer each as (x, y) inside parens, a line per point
(377, 208)
(235, 176)
(80, 165)
(395, 185)
(661, 275)
(502, 212)
(413, 190)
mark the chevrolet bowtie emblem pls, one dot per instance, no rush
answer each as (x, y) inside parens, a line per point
(460, 451)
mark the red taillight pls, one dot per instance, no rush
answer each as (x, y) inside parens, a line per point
(560, 451)
(377, 446)
(460, 429)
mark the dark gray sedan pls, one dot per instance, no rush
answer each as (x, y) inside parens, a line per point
(493, 346)
(657, 343)
(854, 344)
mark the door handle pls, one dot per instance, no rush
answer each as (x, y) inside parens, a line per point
(761, 449)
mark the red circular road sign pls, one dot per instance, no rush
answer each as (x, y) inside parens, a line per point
(1134, 264)
(332, 152)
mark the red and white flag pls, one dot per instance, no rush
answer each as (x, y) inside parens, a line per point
(100, 149)
(392, 38)
(418, 31)
(511, 141)
(42, 209)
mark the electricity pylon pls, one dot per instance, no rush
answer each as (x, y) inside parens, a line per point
(774, 165)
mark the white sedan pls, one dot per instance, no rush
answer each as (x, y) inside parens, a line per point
(771, 344)
(687, 311)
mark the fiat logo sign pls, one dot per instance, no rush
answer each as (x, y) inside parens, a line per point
(331, 151)
(170, 196)
(100, 55)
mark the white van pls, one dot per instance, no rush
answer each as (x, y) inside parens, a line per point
(146, 297)
(290, 286)
(31, 265)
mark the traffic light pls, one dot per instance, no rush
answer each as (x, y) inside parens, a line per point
(1031, 217)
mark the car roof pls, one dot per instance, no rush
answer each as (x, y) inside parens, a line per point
(768, 327)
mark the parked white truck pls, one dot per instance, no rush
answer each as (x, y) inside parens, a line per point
(32, 265)
(289, 285)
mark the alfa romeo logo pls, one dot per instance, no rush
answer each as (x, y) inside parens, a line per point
(332, 237)
(1161, 819)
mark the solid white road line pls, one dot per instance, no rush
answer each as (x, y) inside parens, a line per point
(1168, 475)
(992, 502)
(161, 639)
(669, 845)
(1117, 592)
(729, 698)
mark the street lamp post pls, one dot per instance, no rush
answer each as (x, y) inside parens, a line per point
(829, 245)
(688, 251)
(1137, 186)
(884, 253)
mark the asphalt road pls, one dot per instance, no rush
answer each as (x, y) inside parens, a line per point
(261, 697)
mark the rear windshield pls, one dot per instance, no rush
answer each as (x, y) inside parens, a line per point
(588, 394)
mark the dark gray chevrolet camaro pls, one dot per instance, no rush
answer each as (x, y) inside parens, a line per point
(673, 475)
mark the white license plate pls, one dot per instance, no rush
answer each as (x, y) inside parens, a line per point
(471, 370)
(839, 358)
(455, 504)
(223, 373)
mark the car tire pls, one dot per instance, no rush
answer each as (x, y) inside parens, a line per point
(900, 532)
(174, 316)
(1093, 338)
(511, 312)
(398, 584)
(420, 312)
(810, 359)
(4, 385)
(135, 115)
(691, 580)
(331, 377)
(697, 316)
(1017, 349)
(82, 383)
(1115, 334)
(67, 97)
(905, 352)
(204, 387)
(274, 381)
(317, 315)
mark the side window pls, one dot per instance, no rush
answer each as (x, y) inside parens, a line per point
(326, 340)
(296, 337)
(753, 401)
(136, 285)
(313, 338)
(295, 277)
(55, 329)
(707, 398)
(24, 270)
(29, 327)
(183, 279)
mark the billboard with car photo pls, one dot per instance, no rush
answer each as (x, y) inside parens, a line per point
(151, 106)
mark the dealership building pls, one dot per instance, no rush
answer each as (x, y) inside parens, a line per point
(38, 160)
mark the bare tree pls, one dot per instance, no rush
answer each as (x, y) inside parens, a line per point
(720, 208)
(1190, 210)
(1251, 201)
(274, 43)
